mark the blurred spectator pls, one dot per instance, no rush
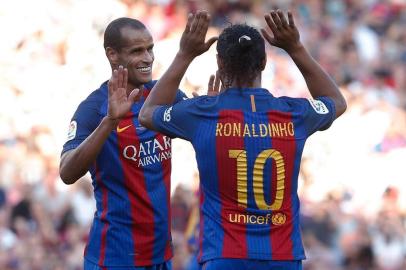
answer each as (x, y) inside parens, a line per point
(352, 188)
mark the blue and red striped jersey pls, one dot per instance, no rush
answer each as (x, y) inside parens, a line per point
(131, 181)
(248, 147)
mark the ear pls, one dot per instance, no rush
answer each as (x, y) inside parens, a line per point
(112, 56)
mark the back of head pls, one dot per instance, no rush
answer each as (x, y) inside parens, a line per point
(112, 34)
(241, 49)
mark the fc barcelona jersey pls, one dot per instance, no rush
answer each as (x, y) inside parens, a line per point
(131, 181)
(248, 147)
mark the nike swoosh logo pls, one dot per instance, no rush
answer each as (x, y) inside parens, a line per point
(119, 130)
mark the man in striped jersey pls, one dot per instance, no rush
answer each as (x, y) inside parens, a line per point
(129, 164)
(248, 143)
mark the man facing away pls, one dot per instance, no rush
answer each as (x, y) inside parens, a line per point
(248, 143)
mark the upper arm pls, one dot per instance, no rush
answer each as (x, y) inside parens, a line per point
(84, 121)
(318, 114)
(175, 121)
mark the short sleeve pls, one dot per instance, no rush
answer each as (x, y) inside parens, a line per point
(318, 114)
(84, 121)
(180, 95)
(176, 120)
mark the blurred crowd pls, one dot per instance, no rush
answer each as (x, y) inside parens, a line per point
(351, 179)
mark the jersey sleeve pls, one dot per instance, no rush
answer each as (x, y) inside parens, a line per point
(318, 113)
(176, 120)
(84, 121)
(180, 95)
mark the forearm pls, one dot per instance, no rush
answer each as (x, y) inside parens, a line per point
(164, 91)
(317, 80)
(75, 163)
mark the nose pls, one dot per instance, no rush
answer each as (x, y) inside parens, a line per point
(148, 57)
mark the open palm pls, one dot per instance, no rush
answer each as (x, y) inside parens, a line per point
(119, 103)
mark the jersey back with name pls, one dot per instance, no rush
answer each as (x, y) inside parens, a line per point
(248, 146)
(131, 180)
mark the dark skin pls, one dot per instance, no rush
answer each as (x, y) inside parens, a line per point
(285, 35)
(131, 68)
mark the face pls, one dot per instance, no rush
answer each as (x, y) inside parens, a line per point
(136, 55)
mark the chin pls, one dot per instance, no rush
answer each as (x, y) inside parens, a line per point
(141, 80)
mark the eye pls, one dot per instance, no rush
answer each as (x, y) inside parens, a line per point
(136, 50)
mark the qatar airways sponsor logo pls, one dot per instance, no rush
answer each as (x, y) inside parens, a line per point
(148, 152)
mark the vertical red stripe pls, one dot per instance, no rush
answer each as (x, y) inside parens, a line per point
(234, 241)
(281, 234)
(166, 173)
(141, 208)
(103, 218)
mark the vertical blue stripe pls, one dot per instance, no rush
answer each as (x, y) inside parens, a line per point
(300, 133)
(258, 240)
(205, 146)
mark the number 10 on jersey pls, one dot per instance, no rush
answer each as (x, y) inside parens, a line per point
(258, 178)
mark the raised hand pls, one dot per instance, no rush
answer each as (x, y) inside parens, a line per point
(119, 103)
(214, 87)
(285, 33)
(192, 42)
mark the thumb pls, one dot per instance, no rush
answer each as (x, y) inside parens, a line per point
(135, 95)
(210, 42)
(195, 94)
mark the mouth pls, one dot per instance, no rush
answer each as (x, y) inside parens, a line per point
(144, 70)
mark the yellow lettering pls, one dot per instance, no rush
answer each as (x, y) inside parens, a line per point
(219, 126)
(291, 129)
(258, 176)
(260, 219)
(275, 129)
(283, 129)
(237, 129)
(263, 132)
(231, 219)
(243, 217)
(246, 131)
(227, 129)
(267, 218)
(254, 134)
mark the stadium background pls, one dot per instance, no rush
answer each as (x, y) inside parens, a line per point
(352, 178)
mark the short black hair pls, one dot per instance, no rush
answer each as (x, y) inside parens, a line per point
(112, 34)
(242, 50)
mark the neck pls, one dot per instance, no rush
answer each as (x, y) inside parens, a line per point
(256, 83)
(131, 87)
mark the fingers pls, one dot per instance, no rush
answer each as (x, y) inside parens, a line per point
(211, 83)
(290, 18)
(195, 94)
(276, 20)
(195, 22)
(282, 18)
(112, 84)
(189, 23)
(217, 82)
(135, 95)
(271, 23)
(125, 78)
(267, 36)
(120, 76)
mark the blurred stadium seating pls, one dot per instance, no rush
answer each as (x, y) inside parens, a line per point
(351, 180)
